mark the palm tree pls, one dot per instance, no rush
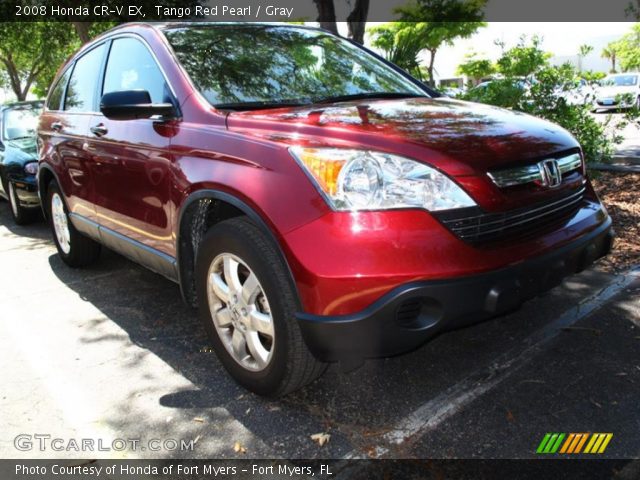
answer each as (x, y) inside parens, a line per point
(583, 52)
(609, 52)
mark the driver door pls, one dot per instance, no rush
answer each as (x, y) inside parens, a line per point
(132, 160)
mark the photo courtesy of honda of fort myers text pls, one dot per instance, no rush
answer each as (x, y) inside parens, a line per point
(319, 239)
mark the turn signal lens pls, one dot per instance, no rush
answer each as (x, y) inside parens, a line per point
(324, 165)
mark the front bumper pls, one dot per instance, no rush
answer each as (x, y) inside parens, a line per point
(611, 104)
(406, 317)
(27, 191)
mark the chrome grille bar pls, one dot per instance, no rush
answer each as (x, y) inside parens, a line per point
(475, 226)
(532, 173)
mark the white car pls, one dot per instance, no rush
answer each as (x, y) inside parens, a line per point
(581, 94)
(621, 90)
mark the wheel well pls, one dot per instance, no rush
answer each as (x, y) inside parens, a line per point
(44, 179)
(198, 217)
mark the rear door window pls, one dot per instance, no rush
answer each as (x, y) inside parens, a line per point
(57, 93)
(82, 89)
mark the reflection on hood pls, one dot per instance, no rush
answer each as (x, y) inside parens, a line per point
(474, 133)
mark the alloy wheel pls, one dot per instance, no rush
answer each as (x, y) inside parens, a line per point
(13, 200)
(240, 312)
(60, 223)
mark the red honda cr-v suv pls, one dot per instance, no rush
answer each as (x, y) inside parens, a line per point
(314, 201)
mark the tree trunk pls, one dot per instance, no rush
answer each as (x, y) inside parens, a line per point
(432, 61)
(327, 15)
(357, 21)
(14, 79)
(82, 29)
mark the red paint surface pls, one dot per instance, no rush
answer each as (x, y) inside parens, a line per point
(136, 178)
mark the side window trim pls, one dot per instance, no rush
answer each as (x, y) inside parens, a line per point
(101, 74)
(63, 101)
(144, 43)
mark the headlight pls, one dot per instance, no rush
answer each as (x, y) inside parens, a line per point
(364, 180)
(31, 168)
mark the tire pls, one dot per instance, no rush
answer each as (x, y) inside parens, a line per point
(75, 249)
(288, 364)
(21, 215)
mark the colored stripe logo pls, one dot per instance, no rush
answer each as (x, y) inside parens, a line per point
(573, 443)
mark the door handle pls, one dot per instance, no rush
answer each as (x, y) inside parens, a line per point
(99, 130)
(56, 126)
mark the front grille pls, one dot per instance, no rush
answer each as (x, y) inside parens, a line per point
(474, 226)
(534, 173)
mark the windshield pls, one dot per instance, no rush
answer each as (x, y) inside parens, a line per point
(275, 64)
(20, 121)
(620, 81)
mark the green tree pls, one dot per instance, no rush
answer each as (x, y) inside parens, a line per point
(31, 52)
(441, 22)
(476, 68)
(523, 59)
(401, 44)
(88, 30)
(531, 85)
(583, 51)
(610, 52)
(628, 49)
(592, 77)
(426, 25)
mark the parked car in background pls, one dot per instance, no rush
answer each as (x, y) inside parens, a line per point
(452, 92)
(621, 90)
(319, 205)
(19, 158)
(582, 93)
(481, 90)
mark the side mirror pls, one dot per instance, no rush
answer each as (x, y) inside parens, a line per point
(133, 104)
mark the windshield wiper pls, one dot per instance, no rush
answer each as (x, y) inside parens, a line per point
(260, 105)
(360, 96)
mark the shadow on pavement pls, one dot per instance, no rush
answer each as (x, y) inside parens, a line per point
(357, 407)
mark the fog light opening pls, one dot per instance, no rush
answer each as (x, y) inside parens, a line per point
(418, 313)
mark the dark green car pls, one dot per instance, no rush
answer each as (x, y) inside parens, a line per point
(19, 158)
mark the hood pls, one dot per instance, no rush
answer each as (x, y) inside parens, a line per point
(613, 91)
(480, 136)
(21, 150)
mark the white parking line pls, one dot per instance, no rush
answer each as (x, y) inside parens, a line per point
(431, 414)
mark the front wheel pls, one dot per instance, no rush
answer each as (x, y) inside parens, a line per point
(247, 306)
(75, 249)
(21, 215)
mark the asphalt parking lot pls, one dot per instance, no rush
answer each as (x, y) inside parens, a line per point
(112, 352)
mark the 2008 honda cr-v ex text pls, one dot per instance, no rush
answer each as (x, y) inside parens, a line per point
(313, 200)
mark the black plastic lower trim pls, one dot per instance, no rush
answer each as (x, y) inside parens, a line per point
(406, 317)
(146, 256)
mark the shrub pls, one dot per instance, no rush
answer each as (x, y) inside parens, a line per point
(546, 92)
